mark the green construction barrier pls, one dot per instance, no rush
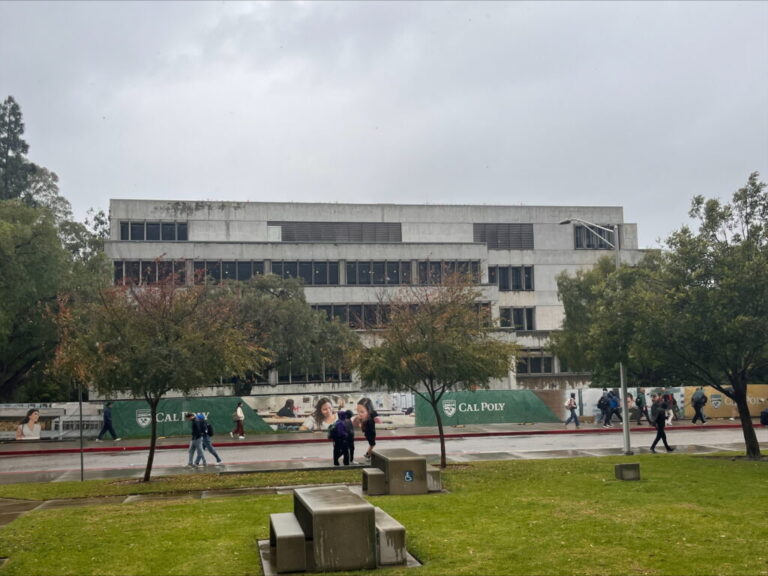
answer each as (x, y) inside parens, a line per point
(485, 407)
(132, 418)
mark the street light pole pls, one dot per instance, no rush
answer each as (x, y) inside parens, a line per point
(591, 227)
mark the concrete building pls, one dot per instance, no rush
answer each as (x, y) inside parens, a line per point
(347, 254)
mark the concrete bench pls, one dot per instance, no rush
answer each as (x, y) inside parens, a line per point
(405, 472)
(434, 480)
(374, 482)
(287, 543)
(629, 471)
(390, 540)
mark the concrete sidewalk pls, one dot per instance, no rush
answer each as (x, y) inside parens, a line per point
(11, 448)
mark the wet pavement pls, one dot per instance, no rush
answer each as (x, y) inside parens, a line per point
(57, 461)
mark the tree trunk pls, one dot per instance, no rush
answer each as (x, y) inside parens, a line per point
(439, 420)
(750, 437)
(153, 440)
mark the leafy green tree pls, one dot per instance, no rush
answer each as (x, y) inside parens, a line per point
(436, 339)
(694, 313)
(146, 341)
(15, 169)
(33, 271)
(299, 339)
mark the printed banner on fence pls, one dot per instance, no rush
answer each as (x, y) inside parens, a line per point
(485, 407)
(133, 418)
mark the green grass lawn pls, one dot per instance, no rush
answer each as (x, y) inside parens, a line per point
(688, 515)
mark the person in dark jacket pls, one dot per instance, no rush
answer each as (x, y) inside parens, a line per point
(338, 433)
(699, 400)
(642, 407)
(196, 444)
(107, 424)
(287, 410)
(366, 421)
(207, 436)
(661, 420)
(350, 435)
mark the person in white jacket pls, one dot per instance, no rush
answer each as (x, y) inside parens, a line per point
(237, 418)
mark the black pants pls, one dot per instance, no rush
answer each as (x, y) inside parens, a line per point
(340, 450)
(660, 435)
(699, 414)
(107, 427)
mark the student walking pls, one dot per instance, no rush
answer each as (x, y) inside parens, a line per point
(661, 420)
(207, 436)
(106, 425)
(571, 405)
(196, 444)
(237, 419)
(699, 400)
(642, 407)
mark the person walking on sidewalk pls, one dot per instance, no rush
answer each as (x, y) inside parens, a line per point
(196, 444)
(207, 435)
(699, 400)
(642, 407)
(106, 425)
(237, 418)
(570, 405)
(661, 420)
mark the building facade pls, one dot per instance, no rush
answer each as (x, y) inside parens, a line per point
(347, 255)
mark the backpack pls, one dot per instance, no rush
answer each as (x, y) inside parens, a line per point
(338, 431)
(602, 403)
(208, 429)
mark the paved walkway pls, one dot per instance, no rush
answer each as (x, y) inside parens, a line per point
(11, 508)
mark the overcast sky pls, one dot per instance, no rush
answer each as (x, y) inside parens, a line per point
(640, 105)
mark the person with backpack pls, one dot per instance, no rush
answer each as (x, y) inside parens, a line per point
(339, 435)
(196, 444)
(614, 408)
(571, 406)
(207, 443)
(642, 407)
(350, 435)
(661, 420)
(603, 405)
(699, 400)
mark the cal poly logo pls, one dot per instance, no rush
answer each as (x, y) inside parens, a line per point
(449, 407)
(716, 400)
(144, 417)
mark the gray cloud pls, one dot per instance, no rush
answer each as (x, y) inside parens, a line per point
(641, 105)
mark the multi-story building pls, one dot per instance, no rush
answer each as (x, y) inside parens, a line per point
(348, 254)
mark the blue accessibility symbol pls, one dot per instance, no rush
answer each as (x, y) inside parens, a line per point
(408, 476)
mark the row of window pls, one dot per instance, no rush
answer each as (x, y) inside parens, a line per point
(593, 238)
(497, 236)
(369, 316)
(311, 273)
(519, 319)
(511, 278)
(140, 230)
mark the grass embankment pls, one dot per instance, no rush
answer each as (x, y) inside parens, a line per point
(688, 515)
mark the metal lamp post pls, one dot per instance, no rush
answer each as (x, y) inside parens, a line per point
(592, 228)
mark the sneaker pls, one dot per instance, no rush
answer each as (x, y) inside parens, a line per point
(231, 435)
(190, 465)
(653, 450)
(241, 437)
(219, 463)
(118, 439)
(671, 449)
(99, 440)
